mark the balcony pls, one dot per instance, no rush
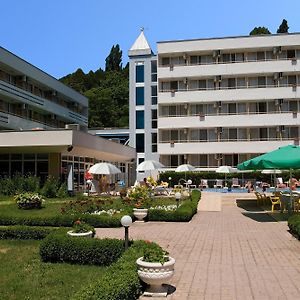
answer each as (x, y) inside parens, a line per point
(241, 93)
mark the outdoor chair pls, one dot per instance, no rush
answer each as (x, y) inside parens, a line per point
(275, 200)
(280, 183)
(219, 184)
(235, 183)
(203, 184)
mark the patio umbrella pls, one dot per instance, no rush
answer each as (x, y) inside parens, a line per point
(225, 170)
(104, 168)
(148, 165)
(185, 168)
(286, 157)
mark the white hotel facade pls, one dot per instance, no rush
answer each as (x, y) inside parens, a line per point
(221, 101)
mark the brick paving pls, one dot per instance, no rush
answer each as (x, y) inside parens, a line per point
(225, 254)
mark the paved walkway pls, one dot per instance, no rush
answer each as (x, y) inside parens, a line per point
(226, 254)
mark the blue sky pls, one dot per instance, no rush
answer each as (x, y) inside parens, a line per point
(60, 36)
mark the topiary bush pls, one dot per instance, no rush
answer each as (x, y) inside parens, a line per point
(183, 213)
(29, 200)
(59, 247)
(120, 281)
(63, 191)
(21, 232)
(62, 220)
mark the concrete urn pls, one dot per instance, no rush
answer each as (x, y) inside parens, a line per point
(88, 234)
(140, 213)
(156, 274)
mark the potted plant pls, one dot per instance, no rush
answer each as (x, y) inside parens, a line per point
(81, 229)
(139, 196)
(155, 268)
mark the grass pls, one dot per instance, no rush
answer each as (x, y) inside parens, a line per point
(24, 276)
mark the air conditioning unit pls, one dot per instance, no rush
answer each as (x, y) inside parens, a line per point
(280, 75)
(216, 53)
(54, 93)
(184, 56)
(24, 78)
(185, 80)
(218, 156)
(72, 126)
(280, 128)
(278, 102)
(276, 76)
(53, 117)
(218, 78)
(217, 104)
(277, 50)
(218, 130)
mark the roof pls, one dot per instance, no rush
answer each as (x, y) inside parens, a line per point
(140, 46)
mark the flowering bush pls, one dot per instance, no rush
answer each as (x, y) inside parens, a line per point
(139, 196)
(109, 212)
(170, 207)
(151, 181)
(154, 253)
(80, 227)
(29, 200)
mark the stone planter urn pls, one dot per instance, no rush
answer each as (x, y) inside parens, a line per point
(156, 274)
(140, 213)
(88, 234)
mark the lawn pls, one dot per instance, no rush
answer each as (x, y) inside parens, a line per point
(24, 276)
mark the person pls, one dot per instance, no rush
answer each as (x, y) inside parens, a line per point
(249, 186)
(144, 182)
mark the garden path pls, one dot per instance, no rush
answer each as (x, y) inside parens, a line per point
(232, 253)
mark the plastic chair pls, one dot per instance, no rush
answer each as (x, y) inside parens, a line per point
(275, 200)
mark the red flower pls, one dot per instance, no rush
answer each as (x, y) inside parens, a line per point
(78, 222)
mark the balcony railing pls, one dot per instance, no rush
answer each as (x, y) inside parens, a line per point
(211, 140)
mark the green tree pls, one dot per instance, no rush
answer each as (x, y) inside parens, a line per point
(260, 30)
(113, 62)
(283, 28)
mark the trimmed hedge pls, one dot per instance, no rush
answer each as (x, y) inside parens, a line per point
(61, 220)
(294, 224)
(184, 213)
(59, 247)
(120, 281)
(21, 232)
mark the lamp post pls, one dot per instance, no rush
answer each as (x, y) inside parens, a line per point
(177, 197)
(126, 221)
(170, 178)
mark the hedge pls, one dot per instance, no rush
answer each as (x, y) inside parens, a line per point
(294, 224)
(183, 213)
(120, 281)
(61, 220)
(21, 232)
(59, 247)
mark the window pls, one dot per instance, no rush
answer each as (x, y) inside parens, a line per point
(261, 56)
(262, 107)
(290, 54)
(232, 108)
(139, 73)
(231, 83)
(140, 119)
(174, 86)
(154, 142)
(165, 61)
(202, 84)
(154, 118)
(261, 81)
(153, 70)
(293, 105)
(153, 94)
(139, 96)
(292, 79)
(140, 142)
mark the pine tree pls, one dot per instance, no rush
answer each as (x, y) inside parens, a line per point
(260, 30)
(283, 28)
(113, 62)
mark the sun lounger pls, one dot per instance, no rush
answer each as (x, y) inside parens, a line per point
(235, 183)
(203, 184)
(219, 184)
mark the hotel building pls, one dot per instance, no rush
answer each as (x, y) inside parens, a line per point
(43, 126)
(224, 100)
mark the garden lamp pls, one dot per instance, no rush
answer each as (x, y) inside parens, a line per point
(177, 197)
(126, 221)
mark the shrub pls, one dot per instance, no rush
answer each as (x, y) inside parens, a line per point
(59, 247)
(183, 213)
(63, 191)
(50, 187)
(28, 200)
(120, 281)
(62, 220)
(294, 224)
(81, 227)
(21, 232)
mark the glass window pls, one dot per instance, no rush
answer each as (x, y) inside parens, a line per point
(154, 94)
(293, 105)
(261, 81)
(232, 108)
(154, 118)
(140, 119)
(140, 95)
(260, 55)
(153, 66)
(140, 142)
(165, 61)
(139, 70)
(290, 54)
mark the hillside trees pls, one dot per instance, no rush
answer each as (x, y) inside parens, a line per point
(107, 91)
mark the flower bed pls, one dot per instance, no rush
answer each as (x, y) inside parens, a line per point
(29, 200)
(294, 224)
